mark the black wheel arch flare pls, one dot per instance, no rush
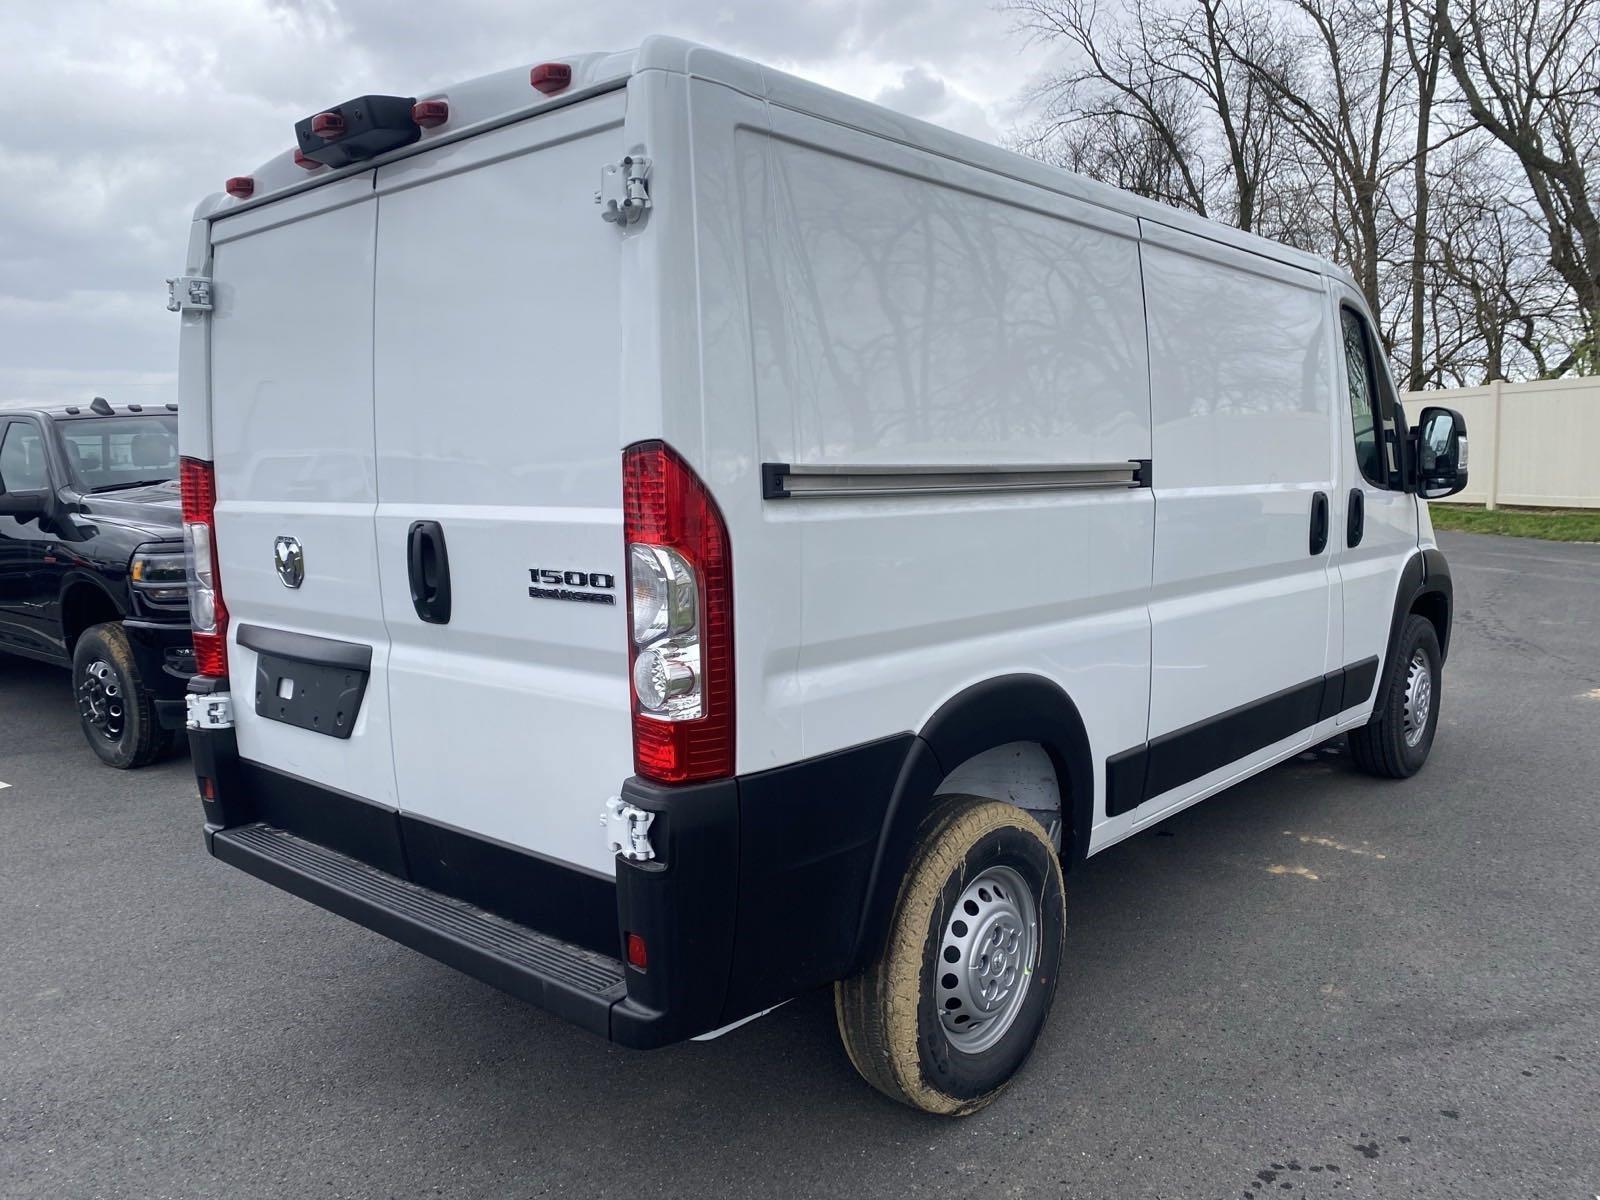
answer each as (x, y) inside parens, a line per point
(995, 712)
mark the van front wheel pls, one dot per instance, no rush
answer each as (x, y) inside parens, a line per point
(953, 1005)
(1395, 742)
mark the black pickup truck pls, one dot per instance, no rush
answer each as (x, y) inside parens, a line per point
(92, 569)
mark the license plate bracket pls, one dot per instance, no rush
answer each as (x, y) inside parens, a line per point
(309, 682)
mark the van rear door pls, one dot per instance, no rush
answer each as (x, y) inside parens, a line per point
(499, 473)
(292, 440)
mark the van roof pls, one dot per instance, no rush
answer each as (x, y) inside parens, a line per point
(490, 101)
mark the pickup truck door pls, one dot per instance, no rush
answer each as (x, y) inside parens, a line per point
(24, 545)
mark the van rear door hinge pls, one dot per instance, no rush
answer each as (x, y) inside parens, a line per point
(624, 193)
(189, 293)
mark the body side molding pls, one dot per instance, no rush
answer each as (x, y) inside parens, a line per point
(1183, 755)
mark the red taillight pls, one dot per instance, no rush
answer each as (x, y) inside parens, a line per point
(240, 187)
(327, 125)
(666, 506)
(550, 78)
(310, 164)
(638, 955)
(429, 113)
(208, 616)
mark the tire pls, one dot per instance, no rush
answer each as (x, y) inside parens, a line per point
(893, 1016)
(117, 714)
(1395, 742)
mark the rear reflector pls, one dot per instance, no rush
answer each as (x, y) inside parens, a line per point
(240, 187)
(429, 113)
(638, 955)
(550, 78)
(328, 125)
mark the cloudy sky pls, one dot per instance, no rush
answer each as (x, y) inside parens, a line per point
(121, 114)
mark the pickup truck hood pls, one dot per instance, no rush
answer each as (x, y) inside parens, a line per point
(155, 509)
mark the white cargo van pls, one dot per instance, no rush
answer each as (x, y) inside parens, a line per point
(666, 536)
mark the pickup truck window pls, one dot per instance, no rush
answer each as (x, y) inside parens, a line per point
(113, 452)
(22, 462)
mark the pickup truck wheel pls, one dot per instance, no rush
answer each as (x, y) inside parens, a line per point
(1395, 742)
(953, 1005)
(117, 713)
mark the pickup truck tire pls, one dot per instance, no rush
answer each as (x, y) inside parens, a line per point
(951, 1008)
(117, 713)
(1395, 742)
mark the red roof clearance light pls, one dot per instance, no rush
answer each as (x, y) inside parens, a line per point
(327, 125)
(550, 78)
(429, 113)
(240, 187)
(310, 164)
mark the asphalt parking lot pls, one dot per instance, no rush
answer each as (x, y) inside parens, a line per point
(1314, 985)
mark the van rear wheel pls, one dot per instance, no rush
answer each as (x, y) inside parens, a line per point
(1395, 742)
(953, 1005)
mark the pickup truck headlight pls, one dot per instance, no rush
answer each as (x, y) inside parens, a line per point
(158, 575)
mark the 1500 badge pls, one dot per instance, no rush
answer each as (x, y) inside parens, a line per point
(586, 587)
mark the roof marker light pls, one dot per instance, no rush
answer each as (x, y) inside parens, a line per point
(310, 164)
(550, 77)
(327, 125)
(240, 187)
(429, 113)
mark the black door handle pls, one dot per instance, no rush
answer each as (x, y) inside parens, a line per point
(1319, 522)
(1356, 521)
(429, 566)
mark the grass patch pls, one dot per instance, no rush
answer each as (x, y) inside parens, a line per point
(1551, 524)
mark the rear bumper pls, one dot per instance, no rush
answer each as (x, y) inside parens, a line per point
(755, 895)
(579, 985)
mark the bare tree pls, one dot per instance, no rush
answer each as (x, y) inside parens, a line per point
(1442, 150)
(1424, 49)
(1157, 98)
(1339, 94)
(1529, 71)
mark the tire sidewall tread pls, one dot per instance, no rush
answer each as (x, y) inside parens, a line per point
(887, 1015)
(142, 739)
(1379, 747)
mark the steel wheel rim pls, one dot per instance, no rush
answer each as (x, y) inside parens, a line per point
(988, 950)
(1419, 698)
(100, 700)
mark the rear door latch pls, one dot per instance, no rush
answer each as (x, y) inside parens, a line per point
(624, 193)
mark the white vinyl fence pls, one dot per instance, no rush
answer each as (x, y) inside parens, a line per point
(1535, 444)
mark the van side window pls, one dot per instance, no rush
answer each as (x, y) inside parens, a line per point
(22, 466)
(1364, 402)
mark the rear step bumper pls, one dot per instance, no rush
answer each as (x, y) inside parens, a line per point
(571, 982)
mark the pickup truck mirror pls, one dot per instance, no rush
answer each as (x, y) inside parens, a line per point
(24, 505)
(1441, 442)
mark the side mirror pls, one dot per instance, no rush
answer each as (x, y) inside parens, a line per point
(1441, 444)
(24, 505)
